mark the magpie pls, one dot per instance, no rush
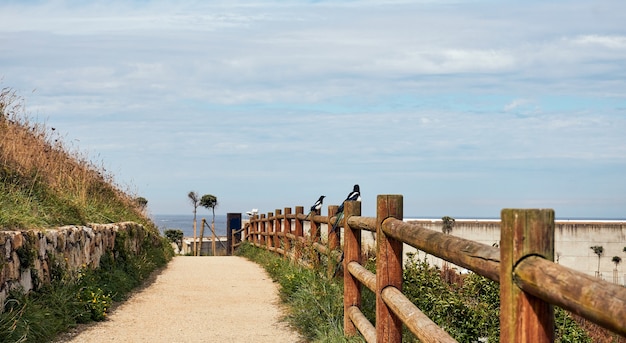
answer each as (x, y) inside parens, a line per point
(355, 195)
(317, 206)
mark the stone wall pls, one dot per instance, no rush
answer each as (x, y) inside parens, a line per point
(573, 242)
(27, 257)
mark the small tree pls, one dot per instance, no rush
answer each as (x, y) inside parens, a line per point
(617, 260)
(448, 224)
(141, 202)
(193, 197)
(175, 236)
(598, 250)
(209, 201)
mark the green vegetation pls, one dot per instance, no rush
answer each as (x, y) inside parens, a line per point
(44, 185)
(314, 301)
(80, 296)
(175, 236)
(467, 307)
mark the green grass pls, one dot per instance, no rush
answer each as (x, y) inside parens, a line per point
(44, 184)
(314, 301)
(81, 296)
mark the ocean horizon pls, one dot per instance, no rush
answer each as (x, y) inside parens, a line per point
(184, 222)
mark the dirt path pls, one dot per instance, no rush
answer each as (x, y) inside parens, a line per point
(198, 299)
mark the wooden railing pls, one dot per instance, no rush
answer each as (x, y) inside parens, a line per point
(530, 282)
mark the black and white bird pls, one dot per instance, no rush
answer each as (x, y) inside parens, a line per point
(316, 207)
(318, 204)
(355, 195)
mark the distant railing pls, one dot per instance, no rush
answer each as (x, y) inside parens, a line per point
(530, 282)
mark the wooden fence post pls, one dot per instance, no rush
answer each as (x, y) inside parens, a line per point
(255, 230)
(352, 253)
(523, 317)
(269, 228)
(314, 231)
(277, 228)
(251, 236)
(299, 233)
(333, 242)
(333, 237)
(287, 230)
(388, 268)
(262, 229)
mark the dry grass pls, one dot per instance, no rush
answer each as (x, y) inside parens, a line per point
(43, 183)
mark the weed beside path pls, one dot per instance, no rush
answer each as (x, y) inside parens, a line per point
(199, 299)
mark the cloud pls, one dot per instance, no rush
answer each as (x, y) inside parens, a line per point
(411, 96)
(611, 42)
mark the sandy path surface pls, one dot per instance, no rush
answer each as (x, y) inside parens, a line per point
(198, 299)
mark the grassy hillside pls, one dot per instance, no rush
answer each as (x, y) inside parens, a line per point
(44, 184)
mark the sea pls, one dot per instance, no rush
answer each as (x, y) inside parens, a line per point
(184, 222)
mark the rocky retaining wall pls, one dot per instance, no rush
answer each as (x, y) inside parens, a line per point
(28, 257)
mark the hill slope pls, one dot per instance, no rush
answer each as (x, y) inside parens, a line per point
(43, 184)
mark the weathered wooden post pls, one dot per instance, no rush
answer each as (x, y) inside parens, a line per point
(314, 230)
(299, 232)
(388, 268)
(333, 241)
(255, 229)
(333, 237)
(351, 253)
(277, 228)
(287, 230)
(269, 227)
(262, 229)
(523, 317)
(203, 222)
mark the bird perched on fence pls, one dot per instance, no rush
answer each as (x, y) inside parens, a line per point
(317, 206)
(355, 195)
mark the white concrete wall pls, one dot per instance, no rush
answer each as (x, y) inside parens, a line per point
(573, 242)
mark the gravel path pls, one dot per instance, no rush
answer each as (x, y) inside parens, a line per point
(198, 299)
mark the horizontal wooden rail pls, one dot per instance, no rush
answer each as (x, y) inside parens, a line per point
(362, 323)
(599, 301)
(366, 277)
(415, 320)
(480, 258)
(362, 223)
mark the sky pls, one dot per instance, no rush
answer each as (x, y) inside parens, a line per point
(463, 107)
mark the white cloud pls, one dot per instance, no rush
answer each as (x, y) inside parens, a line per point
(612, 42)
(417, 94)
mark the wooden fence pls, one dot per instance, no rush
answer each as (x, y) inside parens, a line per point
(530, 282)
